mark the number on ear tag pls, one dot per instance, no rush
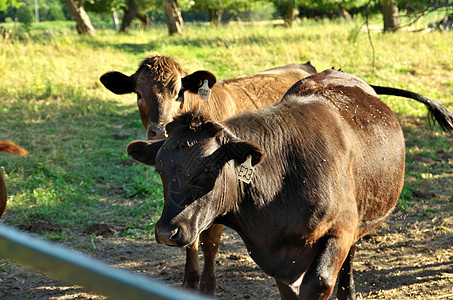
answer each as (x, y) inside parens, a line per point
(246, 170)
(204, 91)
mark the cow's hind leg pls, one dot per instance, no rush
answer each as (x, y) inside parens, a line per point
(192, 268)
(346, 286)
(209, 241)
(319, 280)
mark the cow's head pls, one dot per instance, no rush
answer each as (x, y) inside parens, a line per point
(157, 83)
(198, 164)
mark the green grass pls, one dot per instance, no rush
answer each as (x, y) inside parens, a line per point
(52, 103)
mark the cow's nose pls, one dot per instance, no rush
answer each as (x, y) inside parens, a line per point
(166, 234)
(154, 133)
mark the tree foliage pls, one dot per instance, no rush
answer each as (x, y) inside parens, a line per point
(215, 8)
(5, 4)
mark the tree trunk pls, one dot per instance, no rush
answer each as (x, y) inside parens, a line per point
(291, 13)
(215, 16)
(144, 19)
(116, 23)
(130, 12)
(344, 14)
(82, 19)
(390, 14)
(218, 16)
(173, 16)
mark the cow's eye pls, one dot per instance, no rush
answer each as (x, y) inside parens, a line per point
(139, 96)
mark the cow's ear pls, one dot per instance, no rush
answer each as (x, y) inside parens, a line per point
(144, 151)
(195, 80)
(238, 150)
(118, 83)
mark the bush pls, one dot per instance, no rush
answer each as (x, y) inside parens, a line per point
(51, 12)
(25, 15)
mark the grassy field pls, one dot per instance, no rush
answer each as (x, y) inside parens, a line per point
(52, 103)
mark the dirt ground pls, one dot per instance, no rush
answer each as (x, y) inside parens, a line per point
(409, 257)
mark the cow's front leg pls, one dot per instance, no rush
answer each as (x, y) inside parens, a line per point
(319, 280)
(287, 292)
(346, 286)
(192, 268)
(209, 241)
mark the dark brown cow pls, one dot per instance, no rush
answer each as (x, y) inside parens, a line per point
(6, 146)
(159, 83)
(326, 166)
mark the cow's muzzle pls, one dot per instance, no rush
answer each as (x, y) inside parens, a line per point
(155, 133)
(168, 235)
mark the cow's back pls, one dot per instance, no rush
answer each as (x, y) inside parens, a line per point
(373, 135)
(232, 96)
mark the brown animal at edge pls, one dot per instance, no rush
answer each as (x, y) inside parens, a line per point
(159, 84)
(329, 167)
(6, 146)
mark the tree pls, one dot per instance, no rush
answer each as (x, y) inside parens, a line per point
(25, 15)
(80, 16)
(132, 9)
(390, 14)
(216, 8)
(173, 16)
(290, 13)
(4, 4)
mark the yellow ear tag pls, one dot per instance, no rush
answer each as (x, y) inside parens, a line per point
(246, 170)
(204, 91)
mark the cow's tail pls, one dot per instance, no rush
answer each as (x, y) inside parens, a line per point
(7, 146)
(437, 112)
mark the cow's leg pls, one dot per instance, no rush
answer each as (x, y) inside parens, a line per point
(287, 292)
(346, 286)
(319, 281)
(209, 241)
(192, 268)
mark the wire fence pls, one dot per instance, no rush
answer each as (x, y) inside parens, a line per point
(76, 268)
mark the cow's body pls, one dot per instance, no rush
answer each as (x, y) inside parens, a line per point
(333, 168)
(7, 146)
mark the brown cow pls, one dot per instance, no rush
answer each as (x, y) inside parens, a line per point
(321, 169)
(159, 84)
(6, 146)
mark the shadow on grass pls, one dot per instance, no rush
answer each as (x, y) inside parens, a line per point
(77, 146)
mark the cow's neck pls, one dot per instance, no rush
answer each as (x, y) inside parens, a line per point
(219, 107)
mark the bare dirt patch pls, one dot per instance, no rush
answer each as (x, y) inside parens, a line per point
(409, 257)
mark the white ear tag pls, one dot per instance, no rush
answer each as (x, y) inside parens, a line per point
(246, 170)
(204, 91)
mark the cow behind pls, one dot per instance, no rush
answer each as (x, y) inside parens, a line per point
(6, 146)
(329, 167)
(157, 83)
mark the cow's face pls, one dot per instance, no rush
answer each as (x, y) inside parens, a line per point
(157, 101)
(156, 97)
(199, 178)
(160, 92)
